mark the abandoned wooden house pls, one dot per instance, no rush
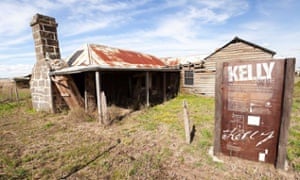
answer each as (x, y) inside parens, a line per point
(199, 77)
(128, 79)
(22, 82)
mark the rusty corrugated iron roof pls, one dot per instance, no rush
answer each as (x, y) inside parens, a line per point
(92, 54)
(173, 61)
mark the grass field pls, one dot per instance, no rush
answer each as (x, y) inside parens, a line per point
(147, 144)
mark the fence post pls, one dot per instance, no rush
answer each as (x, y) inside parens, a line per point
(186, 123)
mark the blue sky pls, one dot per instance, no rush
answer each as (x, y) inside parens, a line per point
(163, 28)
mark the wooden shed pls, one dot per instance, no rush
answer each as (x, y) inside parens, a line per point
(199, 78)
(127, 78)
(95, 76)
(23, 82)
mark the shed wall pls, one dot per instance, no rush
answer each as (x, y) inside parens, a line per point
(204, 78)
(239, 51)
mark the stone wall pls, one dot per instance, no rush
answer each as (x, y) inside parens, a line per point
(44, 31)
(41, 88)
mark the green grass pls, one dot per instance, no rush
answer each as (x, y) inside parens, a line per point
(41, 145)
(293, 148)
(6, 108)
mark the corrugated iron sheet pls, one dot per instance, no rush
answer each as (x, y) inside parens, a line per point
(105, 56)
(172, 61)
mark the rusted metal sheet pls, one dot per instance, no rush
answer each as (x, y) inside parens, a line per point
(251, 114)
(105, 56)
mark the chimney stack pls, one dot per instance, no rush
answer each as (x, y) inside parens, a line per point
(46, 45)
(44, 29)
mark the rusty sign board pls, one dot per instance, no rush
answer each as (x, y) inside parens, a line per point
(250, 109)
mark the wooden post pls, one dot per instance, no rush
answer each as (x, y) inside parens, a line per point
(286, 111)
(164, 86)
(218, 108)
(16, 93)
(11, 97)
(105, 118)
(98, 92)
(147, 89)
(186, 123)
(85, 100)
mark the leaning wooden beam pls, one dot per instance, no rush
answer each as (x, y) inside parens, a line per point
(68, 90)
(286, 112)
(98, 94)
(218, 108)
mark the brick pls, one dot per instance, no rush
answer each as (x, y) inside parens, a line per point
(36, 35)
(39, 27)
(39, 42)
(51, 42)
(41, 83)
(50, 28)
(34, 83)
(47, 35)
(44, 75)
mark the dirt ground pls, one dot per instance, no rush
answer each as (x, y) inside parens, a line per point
(36, 145)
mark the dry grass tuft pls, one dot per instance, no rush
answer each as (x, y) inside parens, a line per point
(79, 115)
(117, 113)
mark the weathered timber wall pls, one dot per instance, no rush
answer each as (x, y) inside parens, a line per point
(204, 77)
(204, 82)
(240, 51)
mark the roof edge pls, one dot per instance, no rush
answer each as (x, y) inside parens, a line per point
(237, 39)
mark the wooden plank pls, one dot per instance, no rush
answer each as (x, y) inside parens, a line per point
(274, 119)
(218, 108)
(68, 90)
(286, 112)
(252, 109)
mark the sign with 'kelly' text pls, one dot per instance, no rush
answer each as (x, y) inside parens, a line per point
(251, 109)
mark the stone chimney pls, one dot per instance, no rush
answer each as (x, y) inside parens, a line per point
(44, 29)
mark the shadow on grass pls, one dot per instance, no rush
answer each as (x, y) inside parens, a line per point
(79, 167)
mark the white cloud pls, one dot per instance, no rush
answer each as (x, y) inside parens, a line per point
(16, 70)
(6, 57)
(225, 8)
(161, 28)
(15, 17)
(84, 26)
(256, 25)
(270, 7)
(16, 41)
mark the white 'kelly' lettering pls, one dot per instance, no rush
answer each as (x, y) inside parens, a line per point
(245, 72)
